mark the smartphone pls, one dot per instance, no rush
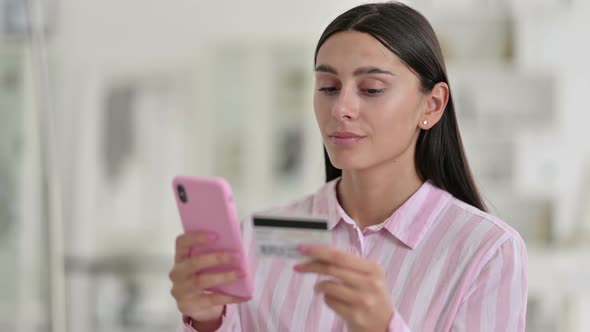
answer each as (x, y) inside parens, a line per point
(206, 204)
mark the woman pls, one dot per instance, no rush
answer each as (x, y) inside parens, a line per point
(413, 249)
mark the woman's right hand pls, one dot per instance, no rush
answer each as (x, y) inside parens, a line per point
(189, 287)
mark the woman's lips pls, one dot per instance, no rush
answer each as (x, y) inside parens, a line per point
(345, 138)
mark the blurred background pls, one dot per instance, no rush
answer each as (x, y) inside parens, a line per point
(103, 102)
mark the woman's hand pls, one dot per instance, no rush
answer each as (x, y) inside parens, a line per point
(189, 285)
(359, 294)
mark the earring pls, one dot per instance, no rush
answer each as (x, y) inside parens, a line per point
(425, 122)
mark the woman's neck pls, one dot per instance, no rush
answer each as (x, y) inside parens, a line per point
(371, 196)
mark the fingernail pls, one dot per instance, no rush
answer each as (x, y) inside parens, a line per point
(298, 267)
(302, 248)
(211, 236)
(240, 274)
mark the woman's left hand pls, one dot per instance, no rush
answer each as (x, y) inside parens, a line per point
(359, 295)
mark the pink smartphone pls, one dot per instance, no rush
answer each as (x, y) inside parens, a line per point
(206, 204)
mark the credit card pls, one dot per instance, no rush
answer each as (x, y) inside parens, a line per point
(279, 236)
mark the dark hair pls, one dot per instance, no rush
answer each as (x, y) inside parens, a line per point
(439, 154)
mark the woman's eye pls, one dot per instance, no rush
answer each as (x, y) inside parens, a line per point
(372, 92)
(328, 90)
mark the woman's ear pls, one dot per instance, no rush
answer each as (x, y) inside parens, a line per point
(434, 106)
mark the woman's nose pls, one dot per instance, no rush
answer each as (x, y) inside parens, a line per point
(346, 105)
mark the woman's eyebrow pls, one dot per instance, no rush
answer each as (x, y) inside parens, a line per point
(326, 69)
(357, 72)
(371, 70)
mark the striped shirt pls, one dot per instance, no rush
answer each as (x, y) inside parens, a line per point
(449, 267)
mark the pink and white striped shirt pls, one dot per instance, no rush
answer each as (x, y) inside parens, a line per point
(449, 267)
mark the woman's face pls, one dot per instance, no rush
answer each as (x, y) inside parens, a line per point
(368, 104)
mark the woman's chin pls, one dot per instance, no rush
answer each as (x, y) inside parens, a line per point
(345, 163)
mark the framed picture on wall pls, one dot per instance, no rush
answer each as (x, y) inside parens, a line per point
(119, 128)
(291, 85)
(289, 153)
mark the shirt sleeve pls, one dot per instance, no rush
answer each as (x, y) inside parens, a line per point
(230, 322)
(497, 298)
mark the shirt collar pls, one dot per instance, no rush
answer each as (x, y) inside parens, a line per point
(409, 223)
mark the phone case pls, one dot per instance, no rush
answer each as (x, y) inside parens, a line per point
(209, 207)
